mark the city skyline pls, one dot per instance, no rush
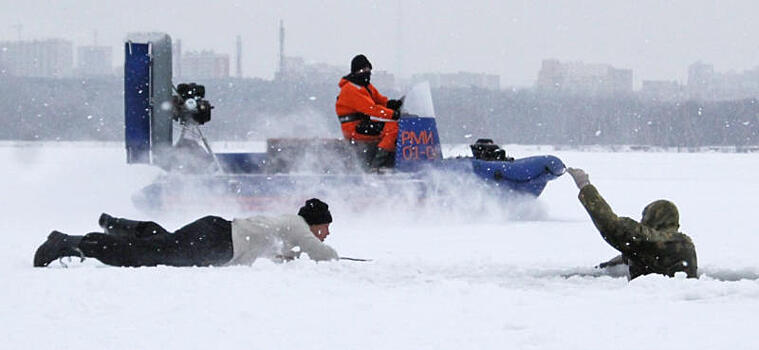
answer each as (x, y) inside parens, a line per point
(53, 58)
(656, 40)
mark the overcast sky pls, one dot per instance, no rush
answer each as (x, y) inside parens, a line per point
(657, 39)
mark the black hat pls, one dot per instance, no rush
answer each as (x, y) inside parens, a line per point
(315, 212)
(360, 62)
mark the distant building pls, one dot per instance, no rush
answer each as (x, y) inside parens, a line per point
(662, 90)
(51, 58)
(700, 81)
(291, 68)
(459, 80)
(94, 61)
(620, 81)
(238, 57)
(551, 76)
(736, 85)
(204, 65)
(383, 81)
(706, 84)
(295, 68)
(583, 78)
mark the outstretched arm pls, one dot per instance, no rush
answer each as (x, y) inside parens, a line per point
(312, 246)
(624, 234)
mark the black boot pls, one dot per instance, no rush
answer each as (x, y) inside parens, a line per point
(58, 245)
(128, 228)
(383, 159)
(118, 226)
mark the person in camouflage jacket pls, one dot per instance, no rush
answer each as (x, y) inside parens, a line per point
(652, 246)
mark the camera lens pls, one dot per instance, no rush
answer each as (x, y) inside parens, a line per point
(190, 104)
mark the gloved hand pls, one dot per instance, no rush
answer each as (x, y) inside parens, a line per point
(394, 104)
(396, 114)
(581, 178)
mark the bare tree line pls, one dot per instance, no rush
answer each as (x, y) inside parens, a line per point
(248, 109)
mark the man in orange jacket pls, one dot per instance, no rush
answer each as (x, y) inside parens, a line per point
(365, 114)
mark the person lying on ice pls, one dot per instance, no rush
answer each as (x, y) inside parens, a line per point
(366, 115)
(652, 246)
(208, 241)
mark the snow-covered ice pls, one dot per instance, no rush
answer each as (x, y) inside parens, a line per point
(521, 280)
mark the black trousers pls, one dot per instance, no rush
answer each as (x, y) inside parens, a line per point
(203, 242)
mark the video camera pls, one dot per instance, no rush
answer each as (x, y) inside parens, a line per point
(189, 105)
(485, 149)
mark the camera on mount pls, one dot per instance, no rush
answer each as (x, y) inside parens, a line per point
(190, 105)
(486, 149)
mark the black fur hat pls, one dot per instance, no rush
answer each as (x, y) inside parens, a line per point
(315, 212)
(360, 62)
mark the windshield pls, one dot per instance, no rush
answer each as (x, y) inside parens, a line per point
(418, 101)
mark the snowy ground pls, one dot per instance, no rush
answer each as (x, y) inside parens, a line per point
(520, 279)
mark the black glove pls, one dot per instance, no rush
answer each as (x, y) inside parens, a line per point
(394, 104)
(396, 115)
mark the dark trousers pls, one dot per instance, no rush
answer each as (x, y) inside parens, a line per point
(206, 241)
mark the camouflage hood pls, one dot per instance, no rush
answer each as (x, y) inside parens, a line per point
(661, 215)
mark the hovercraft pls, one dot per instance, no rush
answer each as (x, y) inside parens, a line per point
(293, 169)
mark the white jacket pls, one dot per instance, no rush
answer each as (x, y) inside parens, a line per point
(279, 238)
